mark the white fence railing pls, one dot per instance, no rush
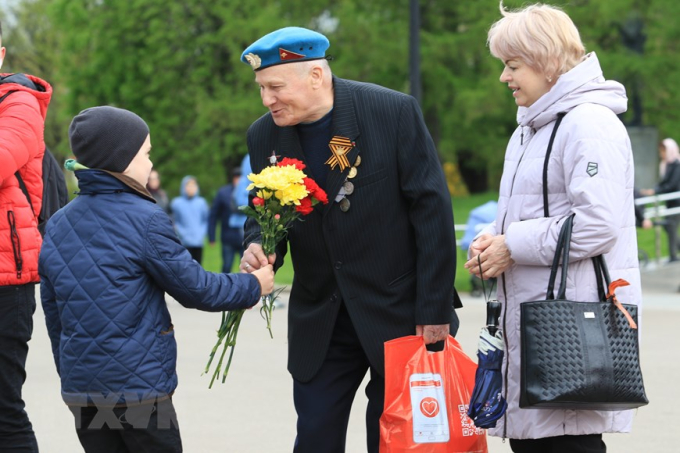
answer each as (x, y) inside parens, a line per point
(655, 209)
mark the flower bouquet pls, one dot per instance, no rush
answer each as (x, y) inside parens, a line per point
(284, 194)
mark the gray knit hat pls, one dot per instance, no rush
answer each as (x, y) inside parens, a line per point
(107, 138)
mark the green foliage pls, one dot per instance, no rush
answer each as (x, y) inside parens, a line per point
(177, 65)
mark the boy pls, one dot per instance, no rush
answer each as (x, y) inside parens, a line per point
(107, 260)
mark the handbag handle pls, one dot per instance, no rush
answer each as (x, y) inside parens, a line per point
(562, 251)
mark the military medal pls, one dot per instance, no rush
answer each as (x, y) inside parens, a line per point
(358, 161)
(352, 172)
(273, 158)
(339, 146)
(349, 187)
(344, 205)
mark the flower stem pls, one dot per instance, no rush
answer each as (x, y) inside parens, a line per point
(226, 334)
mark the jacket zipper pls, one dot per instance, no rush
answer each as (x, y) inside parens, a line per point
(16, 243)
(505, 305)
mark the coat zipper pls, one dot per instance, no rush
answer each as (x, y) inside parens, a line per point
(16, 243)
(505, 305)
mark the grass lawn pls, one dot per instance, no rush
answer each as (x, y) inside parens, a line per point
(212, 257)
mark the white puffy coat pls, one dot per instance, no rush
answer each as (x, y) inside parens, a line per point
(590, 134)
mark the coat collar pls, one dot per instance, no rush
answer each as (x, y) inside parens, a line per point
(94, 181)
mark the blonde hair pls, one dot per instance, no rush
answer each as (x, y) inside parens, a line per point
(542, 36)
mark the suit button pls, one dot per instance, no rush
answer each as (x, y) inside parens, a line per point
(338, 264)
(334, 298)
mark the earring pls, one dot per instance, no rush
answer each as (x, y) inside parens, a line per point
(549, 79)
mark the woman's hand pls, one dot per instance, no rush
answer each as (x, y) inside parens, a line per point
(493, 257)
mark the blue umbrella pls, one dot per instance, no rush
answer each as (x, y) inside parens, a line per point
(487, 404)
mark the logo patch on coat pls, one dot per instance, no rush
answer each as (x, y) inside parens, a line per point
(592, 168)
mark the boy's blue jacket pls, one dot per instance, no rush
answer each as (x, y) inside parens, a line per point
(107, 259)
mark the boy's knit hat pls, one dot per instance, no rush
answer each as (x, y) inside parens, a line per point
(107, 138)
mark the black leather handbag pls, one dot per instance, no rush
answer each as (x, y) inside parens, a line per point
(579, 355)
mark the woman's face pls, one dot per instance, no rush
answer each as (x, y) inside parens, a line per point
(154, 180)
(527, 85)
(662, 153)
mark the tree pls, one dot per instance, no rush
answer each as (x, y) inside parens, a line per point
(177, 64)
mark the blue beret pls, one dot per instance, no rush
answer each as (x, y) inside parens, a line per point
(287, 45)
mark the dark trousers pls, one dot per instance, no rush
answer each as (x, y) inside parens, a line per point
(146, 428)
(196, 253)
(17, 304)
(323, 404)
(671, 227)
(228, 254)
(591, 443)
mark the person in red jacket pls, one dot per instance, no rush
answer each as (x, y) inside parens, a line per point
(23, 106)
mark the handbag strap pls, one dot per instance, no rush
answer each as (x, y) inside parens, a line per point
(564, 239)
(560, 117)
(561, 252)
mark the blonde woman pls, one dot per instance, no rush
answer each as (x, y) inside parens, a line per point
(590, 175)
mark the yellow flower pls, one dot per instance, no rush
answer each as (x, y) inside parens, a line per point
(291, 194)
(264, 194)
(276, 178)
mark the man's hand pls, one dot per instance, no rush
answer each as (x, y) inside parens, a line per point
(254, 258)
(434, 333)
(494, 257)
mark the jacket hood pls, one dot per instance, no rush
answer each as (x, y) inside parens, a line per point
(37, 87)
(585, 83)
(183, 185)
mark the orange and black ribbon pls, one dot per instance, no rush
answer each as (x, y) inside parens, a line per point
(339, 146)
(611, 296)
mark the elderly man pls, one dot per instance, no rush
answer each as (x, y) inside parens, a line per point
(378, 261)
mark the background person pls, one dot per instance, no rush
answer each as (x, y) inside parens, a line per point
(669, 170)
(377, 263)
(190, 217)
(223, 208)
(109, 257)
(157, 192)
(590, 175)
(22, 146)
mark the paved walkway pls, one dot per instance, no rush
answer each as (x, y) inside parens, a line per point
(253, 411)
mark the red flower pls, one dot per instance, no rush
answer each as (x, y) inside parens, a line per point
(315, 191)
(305, 206)
(257, 201)
(294, 162)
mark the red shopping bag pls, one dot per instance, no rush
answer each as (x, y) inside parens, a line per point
(426, 399)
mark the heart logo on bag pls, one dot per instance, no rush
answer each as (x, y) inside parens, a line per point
(429, 407)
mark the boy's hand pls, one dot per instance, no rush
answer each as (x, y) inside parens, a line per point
(265, 276)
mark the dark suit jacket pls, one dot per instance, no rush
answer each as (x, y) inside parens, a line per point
(391, 257)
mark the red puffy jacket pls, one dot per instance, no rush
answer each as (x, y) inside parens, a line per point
(22, 122)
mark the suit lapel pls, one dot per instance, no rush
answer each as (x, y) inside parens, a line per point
(344, 125)
(289, 144)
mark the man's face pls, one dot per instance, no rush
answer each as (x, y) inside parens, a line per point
(286, 90)
(140, 167)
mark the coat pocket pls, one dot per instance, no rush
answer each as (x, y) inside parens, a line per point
(402, 278)
(16, 243)
(168, 347)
